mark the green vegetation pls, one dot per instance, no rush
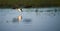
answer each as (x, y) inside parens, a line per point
(33, 3)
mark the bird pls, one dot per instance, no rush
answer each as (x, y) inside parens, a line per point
(20, 16)
(19, 9)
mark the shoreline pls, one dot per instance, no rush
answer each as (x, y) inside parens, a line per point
(26, 8)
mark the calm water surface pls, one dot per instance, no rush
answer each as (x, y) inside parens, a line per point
(44, 19)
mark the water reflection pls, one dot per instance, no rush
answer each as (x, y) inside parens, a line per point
(15, 20)
(56, 10)
(50, 12)
(7, 21)
(36, 11)
(53, 12)
(27, 20)
(41, 11)
(19, 18)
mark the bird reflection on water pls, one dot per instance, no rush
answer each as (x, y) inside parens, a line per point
(36, 11)
(19, 18)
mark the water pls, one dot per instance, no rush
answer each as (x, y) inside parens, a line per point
(44, 19)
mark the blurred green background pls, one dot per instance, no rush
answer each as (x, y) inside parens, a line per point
(33, 3)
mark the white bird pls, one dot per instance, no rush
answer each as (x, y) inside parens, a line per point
(20, 16)
(19, 9)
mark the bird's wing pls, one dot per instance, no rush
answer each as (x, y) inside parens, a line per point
(19, 10)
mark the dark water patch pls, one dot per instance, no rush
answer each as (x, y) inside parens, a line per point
(36, 10)
(7, 21)
(40, 11)
(55, 10)
(27, 20)
(15, 20)
(49, 10)
(52, 14)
